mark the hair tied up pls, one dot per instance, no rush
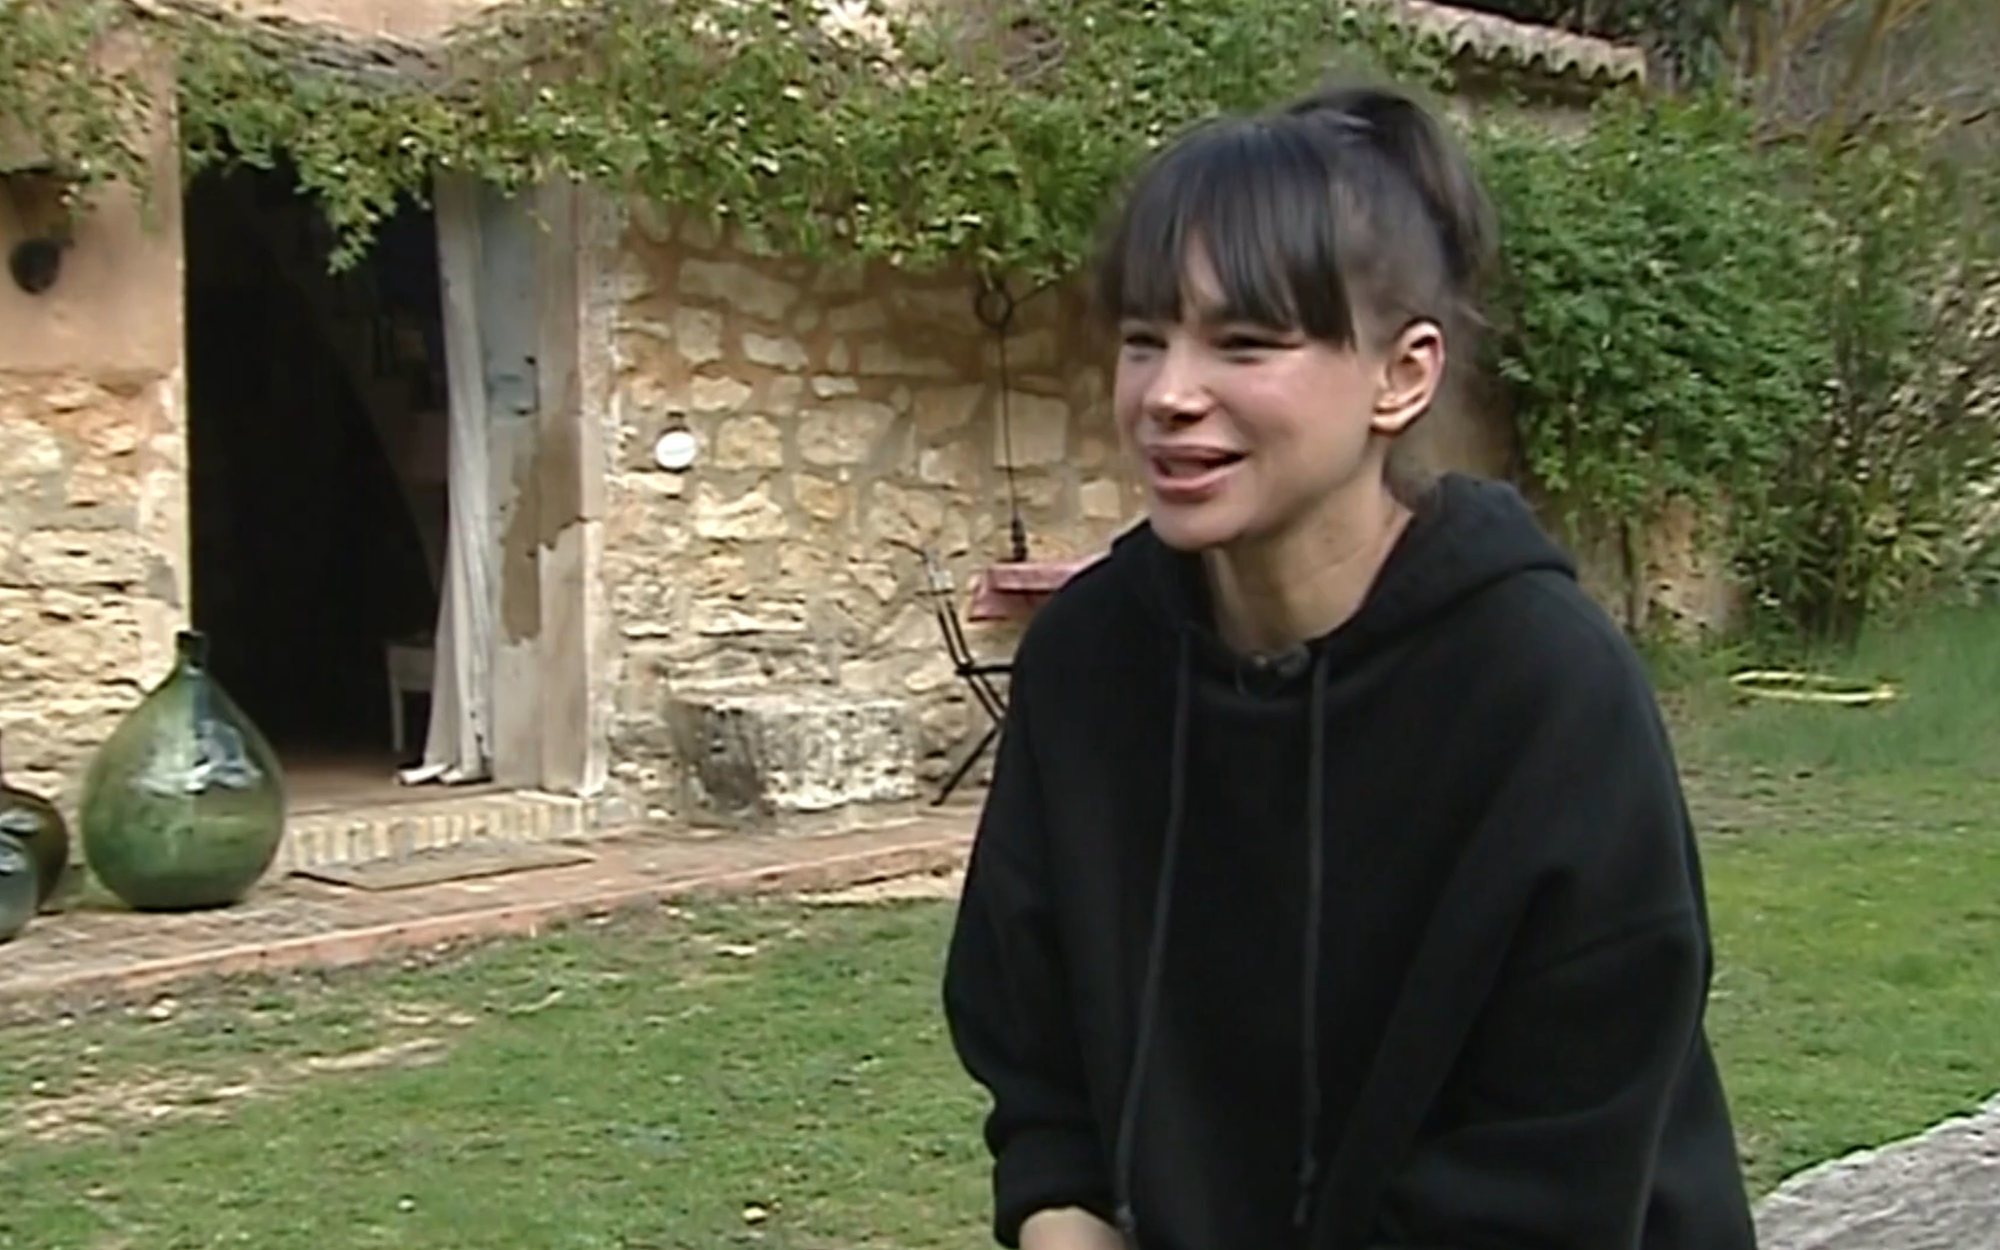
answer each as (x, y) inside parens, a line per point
(1412, 141)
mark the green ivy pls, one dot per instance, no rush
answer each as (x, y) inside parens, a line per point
(1662, 323)
(992, 132)
(57, 99)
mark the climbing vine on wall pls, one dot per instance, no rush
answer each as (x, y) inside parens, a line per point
(68, 92)
(993, 130)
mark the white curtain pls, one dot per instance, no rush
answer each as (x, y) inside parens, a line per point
(459, 748)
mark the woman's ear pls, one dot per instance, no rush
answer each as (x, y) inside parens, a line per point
(1412, 369)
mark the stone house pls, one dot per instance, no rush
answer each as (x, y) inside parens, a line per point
(686, 557)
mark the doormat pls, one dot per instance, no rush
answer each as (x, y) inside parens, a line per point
(463, 862)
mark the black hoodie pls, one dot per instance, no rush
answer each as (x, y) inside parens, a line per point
(1396, 941)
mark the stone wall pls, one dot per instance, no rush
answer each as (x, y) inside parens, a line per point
(399, 19)
(88, 583)
(93, 515)
(847, 418)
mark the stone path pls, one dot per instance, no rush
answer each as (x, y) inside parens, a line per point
(79, 958)
(1939, 1190)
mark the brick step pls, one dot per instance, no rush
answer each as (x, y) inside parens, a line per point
(364, 834)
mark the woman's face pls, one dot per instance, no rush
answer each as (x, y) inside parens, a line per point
(1241, 432)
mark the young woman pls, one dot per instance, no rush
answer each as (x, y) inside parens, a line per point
(1335, 889)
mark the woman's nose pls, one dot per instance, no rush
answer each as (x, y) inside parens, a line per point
(1177, 393)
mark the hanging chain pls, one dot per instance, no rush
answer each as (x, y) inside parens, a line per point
(994, 306)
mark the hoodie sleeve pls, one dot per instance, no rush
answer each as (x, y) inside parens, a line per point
(1549, 1130)
(1007, 1004)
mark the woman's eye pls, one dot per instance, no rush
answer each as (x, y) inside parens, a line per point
(1141, 341)
(1245, 344)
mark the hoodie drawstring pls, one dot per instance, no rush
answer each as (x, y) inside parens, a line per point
(1149, 997)
(1311, 944)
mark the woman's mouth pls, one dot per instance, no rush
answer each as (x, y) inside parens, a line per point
(1187, 475)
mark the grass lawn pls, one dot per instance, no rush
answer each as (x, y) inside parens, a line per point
(777, 1075)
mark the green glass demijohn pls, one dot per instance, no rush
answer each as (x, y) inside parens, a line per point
(20, 888)
(37, 825)
(184, 805)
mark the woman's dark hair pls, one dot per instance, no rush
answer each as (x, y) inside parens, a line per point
(1349, 212)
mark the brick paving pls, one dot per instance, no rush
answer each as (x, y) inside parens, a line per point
(87, 956)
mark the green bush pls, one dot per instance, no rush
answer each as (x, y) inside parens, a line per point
(1804, 342)
(1659, 319)
(1873, 508)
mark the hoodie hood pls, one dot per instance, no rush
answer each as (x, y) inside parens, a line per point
(1465, 536)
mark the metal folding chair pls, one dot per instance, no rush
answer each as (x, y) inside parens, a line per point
(979, 675)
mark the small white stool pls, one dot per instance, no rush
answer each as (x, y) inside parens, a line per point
(410, 666)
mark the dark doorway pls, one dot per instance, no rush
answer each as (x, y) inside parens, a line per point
(317, 461)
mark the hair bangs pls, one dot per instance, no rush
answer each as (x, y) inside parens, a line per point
(1253, 200)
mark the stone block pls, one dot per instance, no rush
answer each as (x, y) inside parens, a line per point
(57, 637)
(28, 451)
(1040, 431)
(746, 517)
(718, 394)
(97, 484)
(83, 558)
(838, 278)
(724, 573)
(698, 334)
(950, 307)
(783, 395)
(877, 579)
(1102, 500)
(727, 618)
(857, 318)
(899, 515)
(739, 287)
(1035, 349)
(775, 352)
(940, 410)
(101, 436)
(750, 443)
(802, 567)
(648, 395)
(769, 757)
(653, 220)
(822, 500)
(885, 359)
(634, 278)
(844, 431)
(1038, 491)
(700, 233)
(947, 466)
